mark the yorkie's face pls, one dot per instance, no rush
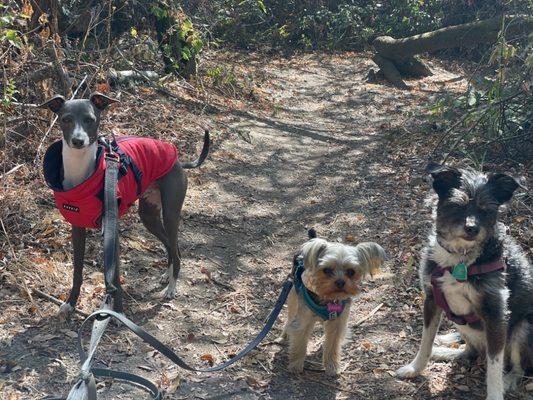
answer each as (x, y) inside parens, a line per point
(334, 271)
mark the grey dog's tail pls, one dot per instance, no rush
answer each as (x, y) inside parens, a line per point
(203, 155)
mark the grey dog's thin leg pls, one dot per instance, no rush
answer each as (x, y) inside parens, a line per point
(78, 246)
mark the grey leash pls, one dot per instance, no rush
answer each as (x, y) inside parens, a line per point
(85, 387)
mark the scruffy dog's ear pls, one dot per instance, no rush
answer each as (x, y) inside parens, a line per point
(444, 178)
(54, 104)
(101, 101)
(312, 250)
(370, 255)
(502, 187)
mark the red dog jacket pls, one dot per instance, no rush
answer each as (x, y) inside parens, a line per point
(145, 161)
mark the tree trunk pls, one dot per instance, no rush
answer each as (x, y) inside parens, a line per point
(400, 52)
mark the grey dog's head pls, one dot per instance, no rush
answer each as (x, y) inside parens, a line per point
(467, 210)
(79, 119)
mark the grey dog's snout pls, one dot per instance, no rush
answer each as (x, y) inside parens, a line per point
(77, 142)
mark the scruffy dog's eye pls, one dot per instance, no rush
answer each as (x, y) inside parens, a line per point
(328, 271)
(350, 273)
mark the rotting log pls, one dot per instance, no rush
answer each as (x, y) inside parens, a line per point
(398, 55)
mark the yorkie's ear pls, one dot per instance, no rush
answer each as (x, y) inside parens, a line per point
(370, 255)
(312, 250)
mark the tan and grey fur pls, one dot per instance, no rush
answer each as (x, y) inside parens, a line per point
(333, 272)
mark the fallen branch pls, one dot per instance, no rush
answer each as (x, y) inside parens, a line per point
(52, 299)
(396, 57)
(369, 315)
(11, 171)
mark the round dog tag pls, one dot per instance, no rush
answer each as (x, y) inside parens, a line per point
(460, 272)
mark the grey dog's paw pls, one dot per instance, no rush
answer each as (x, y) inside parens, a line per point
(65, 311)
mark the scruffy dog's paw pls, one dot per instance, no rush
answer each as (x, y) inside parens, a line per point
(407, 371)
(296, 367)
(65, 311)
(448, 339)
(446, 354)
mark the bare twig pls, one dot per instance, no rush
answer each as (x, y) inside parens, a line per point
(369, 315)
(11, 171)
(52, 299)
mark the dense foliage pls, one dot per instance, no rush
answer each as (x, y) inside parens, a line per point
(338, 24)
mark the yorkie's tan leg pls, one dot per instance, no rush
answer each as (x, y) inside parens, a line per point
(299, 331)
(292, 309)
(334, 331)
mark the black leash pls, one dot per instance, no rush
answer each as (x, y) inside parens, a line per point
(85, 387)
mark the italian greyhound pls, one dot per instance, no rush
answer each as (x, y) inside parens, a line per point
(160, 203)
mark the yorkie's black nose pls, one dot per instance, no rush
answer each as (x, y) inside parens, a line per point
(339, 283)
(471, 230)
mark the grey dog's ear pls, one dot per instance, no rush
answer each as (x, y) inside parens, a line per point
(370, 255)
(312, 250)
(101, 101)
(54, 104)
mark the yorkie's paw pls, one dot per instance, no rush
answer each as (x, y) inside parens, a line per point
(407, 371)
(296, 367)
(332, 369)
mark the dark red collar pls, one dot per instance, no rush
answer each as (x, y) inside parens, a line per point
(474, 269)
(480, 269)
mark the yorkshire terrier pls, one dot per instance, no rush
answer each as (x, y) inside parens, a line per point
(476, 275)
(326, 277)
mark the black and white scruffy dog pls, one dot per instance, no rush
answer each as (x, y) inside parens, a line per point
(476, 273)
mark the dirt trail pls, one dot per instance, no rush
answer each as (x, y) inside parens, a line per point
(319, 157)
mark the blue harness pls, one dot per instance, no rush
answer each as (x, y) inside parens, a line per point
(326, 312)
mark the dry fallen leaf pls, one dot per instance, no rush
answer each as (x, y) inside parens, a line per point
(367, 345)
(206, 272)
(209, 358)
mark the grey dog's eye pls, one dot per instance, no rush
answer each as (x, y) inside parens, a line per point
(67, 120)
(328, 271)
(89, 120)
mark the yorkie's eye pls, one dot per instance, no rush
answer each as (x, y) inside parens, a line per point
(328, 271)
(350, 273)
